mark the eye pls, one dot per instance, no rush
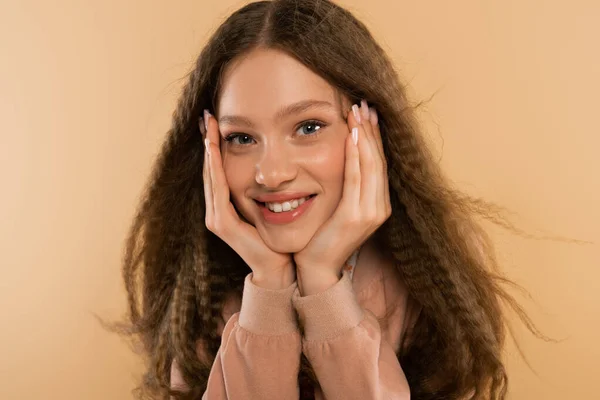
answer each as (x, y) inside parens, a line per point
(239, 139)
(310, 128)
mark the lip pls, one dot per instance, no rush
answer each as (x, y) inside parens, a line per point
(281, 197)
(287, 216)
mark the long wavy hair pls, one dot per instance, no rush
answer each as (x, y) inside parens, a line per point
(178, 274)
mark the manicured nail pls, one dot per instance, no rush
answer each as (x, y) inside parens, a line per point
(364, 107)
(206, 118)
(207, 146)
(356, 113)
(374, 118)
(355, 135)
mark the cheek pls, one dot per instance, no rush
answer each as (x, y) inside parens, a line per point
(327, 166)
(239, 176)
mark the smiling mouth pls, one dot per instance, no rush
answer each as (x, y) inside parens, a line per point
(285, 212)
(284, 206)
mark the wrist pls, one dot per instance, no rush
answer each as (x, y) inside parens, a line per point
(316, 281)
(274, 281)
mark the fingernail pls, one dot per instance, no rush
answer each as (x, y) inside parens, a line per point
(207, 146)
(355, 135)
(202, 126)
(206, 117)
(356, 113)
(364, 108)
(374, 118)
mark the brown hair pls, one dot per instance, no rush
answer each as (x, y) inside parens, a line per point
(177, 273)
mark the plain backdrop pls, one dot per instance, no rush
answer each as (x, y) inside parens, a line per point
(87, 89)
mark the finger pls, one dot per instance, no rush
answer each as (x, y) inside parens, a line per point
(374, 135)
(374, 120)
(367, 161)
(365, 119)
(220, 188)
(219, 181)
(207, 182)
(378, 196)
(368, 127)
(352, 177)
(208, 192)
(384, 201)
(212, 129)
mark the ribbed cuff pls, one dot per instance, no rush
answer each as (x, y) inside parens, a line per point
(267, 311)
(327, 314)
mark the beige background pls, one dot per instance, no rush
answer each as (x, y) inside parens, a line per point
(86, 94)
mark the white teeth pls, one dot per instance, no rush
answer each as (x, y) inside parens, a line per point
(286, 205)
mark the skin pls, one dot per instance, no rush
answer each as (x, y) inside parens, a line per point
(308, 149)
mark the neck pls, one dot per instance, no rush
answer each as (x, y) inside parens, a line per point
(370, 259)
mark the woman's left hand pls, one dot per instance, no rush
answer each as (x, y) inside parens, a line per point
(364, 206)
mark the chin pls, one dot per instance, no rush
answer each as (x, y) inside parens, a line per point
(284, 242)
(286, 238)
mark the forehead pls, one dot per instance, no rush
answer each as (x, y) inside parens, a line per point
(264, 80)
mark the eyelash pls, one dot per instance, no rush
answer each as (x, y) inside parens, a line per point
(231, 137)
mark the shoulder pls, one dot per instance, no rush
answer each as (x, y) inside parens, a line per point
(232, 305)
(403, 308)
(385, 293)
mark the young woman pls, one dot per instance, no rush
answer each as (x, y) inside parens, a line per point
(296, 238)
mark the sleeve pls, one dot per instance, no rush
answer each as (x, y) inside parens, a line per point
(344, 345)
(259, 356)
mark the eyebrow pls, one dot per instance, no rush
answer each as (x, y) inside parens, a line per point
(294, 108)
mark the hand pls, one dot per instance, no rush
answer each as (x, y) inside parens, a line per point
(364, 207)
(270, 269)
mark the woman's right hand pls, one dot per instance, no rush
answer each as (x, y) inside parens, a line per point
(270, 269)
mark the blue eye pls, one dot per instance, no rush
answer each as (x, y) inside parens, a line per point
(307, 128)
(310, 128)
(243, 139)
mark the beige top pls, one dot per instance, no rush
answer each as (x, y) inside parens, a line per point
(353, 356)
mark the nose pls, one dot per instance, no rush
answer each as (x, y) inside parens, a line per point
(275, 168)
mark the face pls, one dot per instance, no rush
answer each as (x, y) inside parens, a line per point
(283, 137)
